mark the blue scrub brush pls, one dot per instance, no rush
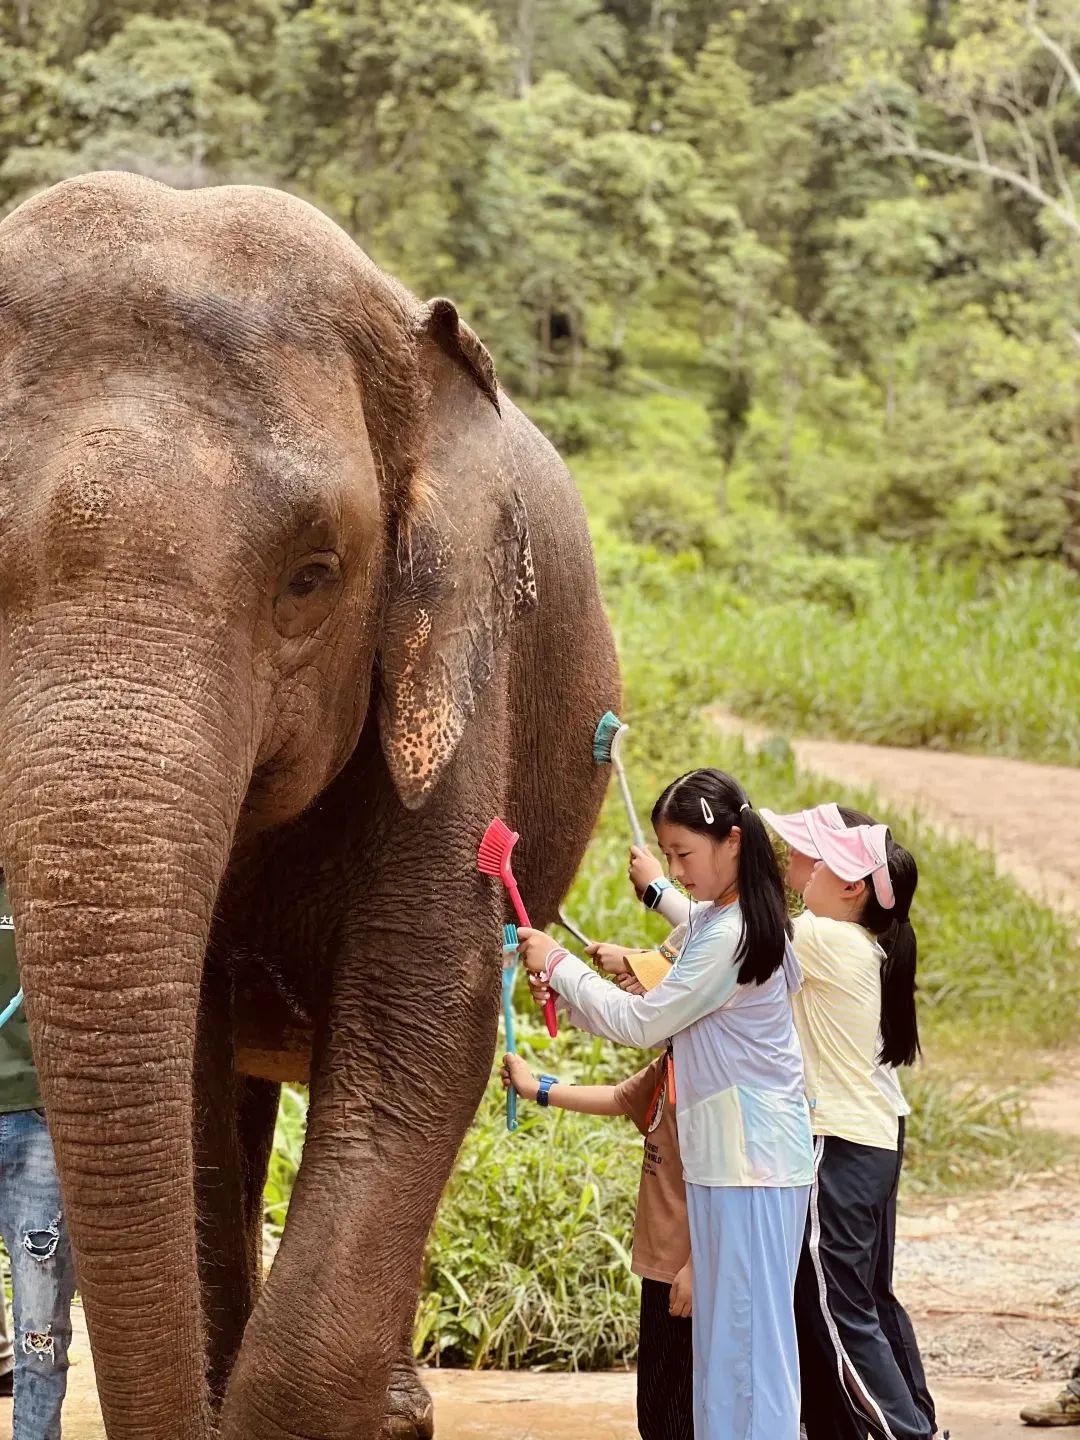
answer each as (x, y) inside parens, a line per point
(510, 955)
(605, 748)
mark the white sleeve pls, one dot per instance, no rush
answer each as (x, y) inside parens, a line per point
(675, 906)
(565, 1011)
(703, 978)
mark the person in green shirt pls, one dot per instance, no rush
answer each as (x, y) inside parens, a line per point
(31, 1220)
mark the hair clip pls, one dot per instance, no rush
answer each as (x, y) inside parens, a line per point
(706, 812)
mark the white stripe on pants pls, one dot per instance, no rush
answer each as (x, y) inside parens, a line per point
(745, 1242)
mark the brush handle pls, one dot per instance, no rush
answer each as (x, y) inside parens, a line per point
(628, 801)
(550, 1018)
(523, 919)
(568, 925)
(511, 1045)
(518, 904)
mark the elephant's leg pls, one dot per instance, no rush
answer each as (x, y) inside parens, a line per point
(256, 1118)
(234, 1130)
(409, 1408)
(398, 1075)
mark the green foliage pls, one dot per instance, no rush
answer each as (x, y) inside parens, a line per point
(530, 1260)
(972, 1137)
(690, 194)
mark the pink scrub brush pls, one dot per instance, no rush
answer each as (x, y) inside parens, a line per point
(493, 858)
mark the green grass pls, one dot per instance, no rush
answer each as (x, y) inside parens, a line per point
(530, 1259)
(886, 649)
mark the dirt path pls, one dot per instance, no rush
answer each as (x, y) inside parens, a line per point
(495, 1406)
(1002, 804)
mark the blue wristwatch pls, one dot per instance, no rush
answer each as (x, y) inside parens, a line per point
(546, 1082)
(650, 896)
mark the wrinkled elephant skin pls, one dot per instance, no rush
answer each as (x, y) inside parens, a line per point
(292, 601)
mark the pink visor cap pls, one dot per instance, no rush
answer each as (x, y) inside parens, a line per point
(852, 852)
(794, 829)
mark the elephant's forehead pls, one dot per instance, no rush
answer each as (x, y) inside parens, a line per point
(236, 266)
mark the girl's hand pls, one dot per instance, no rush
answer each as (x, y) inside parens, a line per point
(534, 947)
(538, 990)
(681, 1303)
(631, 984)
(644, 868)
(516, 1073)
(610, 958)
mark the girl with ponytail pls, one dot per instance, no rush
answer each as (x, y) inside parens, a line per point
(856, 1019)
(740, 1105)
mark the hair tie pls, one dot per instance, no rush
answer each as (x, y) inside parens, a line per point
(706, 812)
(745, 806)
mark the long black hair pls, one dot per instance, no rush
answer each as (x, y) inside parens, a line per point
(761, 890)
(896, 936)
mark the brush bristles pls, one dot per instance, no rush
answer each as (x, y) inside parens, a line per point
(510, 937)
(497, 843)
(606, 732)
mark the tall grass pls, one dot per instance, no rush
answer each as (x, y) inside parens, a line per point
(888, 649)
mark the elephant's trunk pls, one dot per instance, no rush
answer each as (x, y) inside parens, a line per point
(124, 782)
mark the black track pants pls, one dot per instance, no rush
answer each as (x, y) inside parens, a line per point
(895, 1321)
(851, 1382)
(665, 1369)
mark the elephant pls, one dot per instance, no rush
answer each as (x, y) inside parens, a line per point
(293, 601)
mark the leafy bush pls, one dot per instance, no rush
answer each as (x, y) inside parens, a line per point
(530, 1259)
(672, 517)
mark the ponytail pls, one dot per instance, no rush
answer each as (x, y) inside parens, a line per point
(899, 1022)
(896, 936)
(709, 802)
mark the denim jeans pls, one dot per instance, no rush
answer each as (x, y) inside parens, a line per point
(7, 1350)
(42, 1273)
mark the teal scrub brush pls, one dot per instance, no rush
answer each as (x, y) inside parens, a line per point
(605, 748)
(509, 954)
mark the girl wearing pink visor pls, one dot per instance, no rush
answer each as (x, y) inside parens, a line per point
(861, 1369)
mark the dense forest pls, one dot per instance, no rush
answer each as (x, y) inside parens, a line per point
(847, 229)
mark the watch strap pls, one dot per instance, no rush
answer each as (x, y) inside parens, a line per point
(546, 1082)
(650, 896)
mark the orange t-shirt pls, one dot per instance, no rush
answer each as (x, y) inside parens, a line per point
(661, 1228)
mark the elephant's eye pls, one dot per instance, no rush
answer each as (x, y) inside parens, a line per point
(307, 594)
(311, 577)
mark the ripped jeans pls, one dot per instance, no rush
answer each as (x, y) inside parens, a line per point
(42, 1273)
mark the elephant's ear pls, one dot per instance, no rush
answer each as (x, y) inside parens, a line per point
(464, 569)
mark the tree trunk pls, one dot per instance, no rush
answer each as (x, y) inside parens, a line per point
(526, 43)
(1070, 545)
